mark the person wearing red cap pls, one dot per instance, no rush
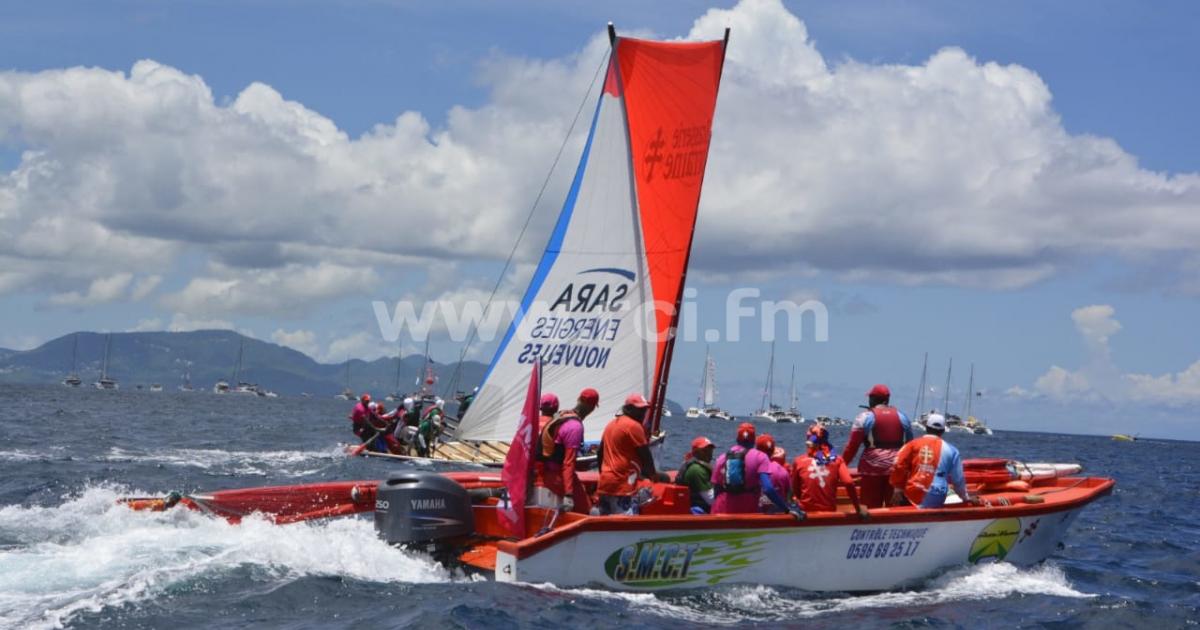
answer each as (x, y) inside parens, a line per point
(696, 474)
(742, 474)
(817, 475)
(359, 417)
(781, 479)
(883, 429)
(624, 457)
(561, 438)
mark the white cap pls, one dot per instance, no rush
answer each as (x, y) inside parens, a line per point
(936, 421)
(408, 404)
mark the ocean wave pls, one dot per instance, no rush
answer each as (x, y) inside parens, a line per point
(735, 605)
(90, 554)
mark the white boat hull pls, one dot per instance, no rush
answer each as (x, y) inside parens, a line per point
(859, 557)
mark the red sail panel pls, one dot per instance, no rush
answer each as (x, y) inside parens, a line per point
(670, 91)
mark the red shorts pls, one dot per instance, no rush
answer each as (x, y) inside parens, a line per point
(875, 490)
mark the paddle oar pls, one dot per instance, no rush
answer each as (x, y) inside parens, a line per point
(357, 450)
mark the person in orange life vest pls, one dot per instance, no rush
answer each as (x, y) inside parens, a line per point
(926, 467)
(776, 471)
(817, 475)
(742, 474)
(559, 440)
(883, 429)
(624, 457)
(548, 407)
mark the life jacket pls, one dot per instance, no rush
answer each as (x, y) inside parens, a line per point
(682, 474)
(550, 450)
(888, 430)
(734, 474)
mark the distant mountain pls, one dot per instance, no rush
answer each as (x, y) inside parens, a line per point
(143, 358)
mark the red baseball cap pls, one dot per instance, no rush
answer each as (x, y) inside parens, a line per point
(701, 442)
(745, 432)
(880, 391)
(765, 443)
(636, 400)
(590, 396)
(549, 400)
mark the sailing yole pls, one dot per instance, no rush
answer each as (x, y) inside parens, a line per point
(607, 289)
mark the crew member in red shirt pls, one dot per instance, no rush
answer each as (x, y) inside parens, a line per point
(883, 429)
(624, 457)
(817, 475)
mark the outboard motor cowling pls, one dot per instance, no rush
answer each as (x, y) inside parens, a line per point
(421, 507)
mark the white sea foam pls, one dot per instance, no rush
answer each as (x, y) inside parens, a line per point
(91, 553)
(251, 463)
(983, 582)
(241, 463)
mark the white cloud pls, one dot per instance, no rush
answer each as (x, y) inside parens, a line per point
(1100, 378)
(101, 290)
(303, 340)
(147, 325)
(1182, 388)
(279, 291)
(145, 287)
(181, 322)
(361, 345)
(951, 171)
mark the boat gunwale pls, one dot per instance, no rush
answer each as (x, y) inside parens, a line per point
(529, 547)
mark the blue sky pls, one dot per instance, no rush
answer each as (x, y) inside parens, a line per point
(1109, 100)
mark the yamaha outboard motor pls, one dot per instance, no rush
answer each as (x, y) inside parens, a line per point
(421, 508)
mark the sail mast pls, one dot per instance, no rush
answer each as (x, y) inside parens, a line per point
(792, 390)
(946, 394)
(399, 364)
(768, 396)
(104, 365)
(921, 388)
(970, 392)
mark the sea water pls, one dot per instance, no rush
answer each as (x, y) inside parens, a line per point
(71, 557)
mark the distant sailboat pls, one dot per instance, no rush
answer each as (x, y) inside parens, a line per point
(106, 382)
(347, 393)
(977, 426)
(187, 380)
(396, 396)
(919, 422)
(73, 379)
(793, 412)
(706, 406)
(768, 410)
(243, 387)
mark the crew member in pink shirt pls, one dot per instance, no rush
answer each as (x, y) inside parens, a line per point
(742, 474)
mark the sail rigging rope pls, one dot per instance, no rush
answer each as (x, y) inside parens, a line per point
(453, 383)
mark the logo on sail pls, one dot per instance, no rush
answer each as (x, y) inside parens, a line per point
(682, 156)
(583, 322)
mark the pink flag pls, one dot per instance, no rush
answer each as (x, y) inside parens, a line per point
(518, 465)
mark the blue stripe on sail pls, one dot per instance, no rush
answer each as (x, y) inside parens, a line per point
(552, 248)
(625, 273)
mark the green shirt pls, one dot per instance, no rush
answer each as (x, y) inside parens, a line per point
(697, 476)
